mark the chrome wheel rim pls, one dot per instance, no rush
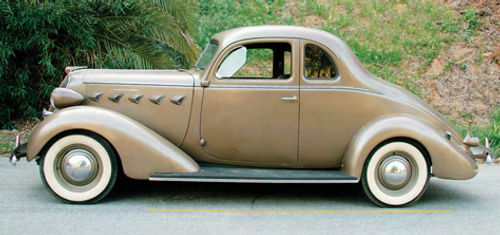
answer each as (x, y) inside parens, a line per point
(395, 172)
(79, 166)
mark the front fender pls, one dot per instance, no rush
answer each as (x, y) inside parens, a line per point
(449, 160)
(141, 150)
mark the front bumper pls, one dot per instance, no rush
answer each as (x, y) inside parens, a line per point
(18, 152)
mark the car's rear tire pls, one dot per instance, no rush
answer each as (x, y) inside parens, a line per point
(79, 168)
(395, 174)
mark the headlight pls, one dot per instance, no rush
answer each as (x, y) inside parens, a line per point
(64, 97)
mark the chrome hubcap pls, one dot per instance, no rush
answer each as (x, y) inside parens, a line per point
(79, 166)
(394, 172)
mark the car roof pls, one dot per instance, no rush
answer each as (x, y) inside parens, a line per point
(228, 37)
(336, 45)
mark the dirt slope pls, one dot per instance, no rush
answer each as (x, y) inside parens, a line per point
(464, 81)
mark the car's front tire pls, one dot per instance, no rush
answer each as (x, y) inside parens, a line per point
(79, 168)
(395, 174)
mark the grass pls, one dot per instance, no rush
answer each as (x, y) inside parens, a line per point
(388, 36)
(5, 144)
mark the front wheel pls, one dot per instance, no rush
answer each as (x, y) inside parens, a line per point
(79, 168)
(395, 174)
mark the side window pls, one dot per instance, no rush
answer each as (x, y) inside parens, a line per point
(259, 64)
(263, 61)
(318, 64)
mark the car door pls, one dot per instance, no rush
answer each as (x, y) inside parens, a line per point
(324, 129)
(251, 116)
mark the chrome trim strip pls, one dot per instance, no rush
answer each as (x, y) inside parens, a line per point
(13, 158)
(295, 87)
(125, 89)
(339, 88)
(115, 97)
(253, 180)
(289, 98)
(136, 98)
(254, 86)
(156, 99)
(177, 99)
(95, 96)
(46, 113)
(138, 84)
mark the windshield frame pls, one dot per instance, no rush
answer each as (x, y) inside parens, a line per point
(207, 55)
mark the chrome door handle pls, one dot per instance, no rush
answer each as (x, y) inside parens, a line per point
(289, 98)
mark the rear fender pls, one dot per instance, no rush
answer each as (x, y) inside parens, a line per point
(449, 160)
(142, 151)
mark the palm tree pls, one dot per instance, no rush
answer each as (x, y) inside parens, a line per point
(149, 33)
(38, 38)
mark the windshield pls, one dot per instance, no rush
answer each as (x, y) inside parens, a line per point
(206, 56)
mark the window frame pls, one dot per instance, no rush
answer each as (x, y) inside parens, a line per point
(211, 42)
(305, 44)
(231, 48)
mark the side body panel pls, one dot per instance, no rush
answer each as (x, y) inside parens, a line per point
(158, 99)
(164, 117)
(141, 150)
(449, 160)
(250, 125)
(331, 118)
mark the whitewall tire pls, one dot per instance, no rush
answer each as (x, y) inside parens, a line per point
(79, 168)
(396, 174)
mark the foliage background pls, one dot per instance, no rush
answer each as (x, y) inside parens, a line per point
(38, 39)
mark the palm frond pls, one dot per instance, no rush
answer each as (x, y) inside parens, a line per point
(143, 29)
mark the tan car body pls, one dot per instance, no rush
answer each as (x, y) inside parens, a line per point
(161, 121)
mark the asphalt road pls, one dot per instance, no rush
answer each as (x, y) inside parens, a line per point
(448, 207)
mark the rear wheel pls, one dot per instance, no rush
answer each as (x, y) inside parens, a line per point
(79, 168)
(395, 174)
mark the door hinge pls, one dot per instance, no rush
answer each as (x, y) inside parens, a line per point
(204, 83)
(202, 142)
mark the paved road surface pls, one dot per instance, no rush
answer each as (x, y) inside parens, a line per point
(448, 207)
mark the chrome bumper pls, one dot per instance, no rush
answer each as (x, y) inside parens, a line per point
(481, 152)
(18, 152)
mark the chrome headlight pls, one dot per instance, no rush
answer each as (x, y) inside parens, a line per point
(64, 97)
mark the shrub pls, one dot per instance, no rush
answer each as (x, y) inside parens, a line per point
(39, 38)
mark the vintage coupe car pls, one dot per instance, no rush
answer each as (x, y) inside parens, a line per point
(266, 104)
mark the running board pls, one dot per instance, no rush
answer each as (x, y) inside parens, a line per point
(236, 174)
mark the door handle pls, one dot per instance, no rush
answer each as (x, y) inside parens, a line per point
(289, 98)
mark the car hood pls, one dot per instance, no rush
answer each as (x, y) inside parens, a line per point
(134, 77)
